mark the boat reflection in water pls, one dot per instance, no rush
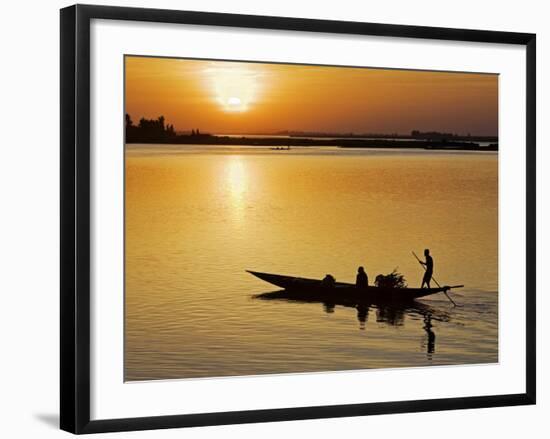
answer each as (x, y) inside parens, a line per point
(390, 313)
(430, 339)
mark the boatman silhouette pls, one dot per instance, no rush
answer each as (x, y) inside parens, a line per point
(429, 264)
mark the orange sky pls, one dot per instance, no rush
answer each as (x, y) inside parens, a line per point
(240, 97)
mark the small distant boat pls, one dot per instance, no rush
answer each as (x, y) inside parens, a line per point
(300, 288)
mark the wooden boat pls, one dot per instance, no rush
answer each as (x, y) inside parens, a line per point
(315, 290)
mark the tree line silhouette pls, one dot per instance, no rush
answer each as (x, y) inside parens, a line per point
(148, 130)
(158, 131)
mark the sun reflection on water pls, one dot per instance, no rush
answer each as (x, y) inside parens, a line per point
(235, 182)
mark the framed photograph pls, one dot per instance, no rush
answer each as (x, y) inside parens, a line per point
(267, 219)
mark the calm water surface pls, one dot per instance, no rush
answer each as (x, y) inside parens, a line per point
(197, 217)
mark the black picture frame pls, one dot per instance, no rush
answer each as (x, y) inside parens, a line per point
(75, 217)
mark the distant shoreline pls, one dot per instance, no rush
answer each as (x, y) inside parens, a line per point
(342, 142)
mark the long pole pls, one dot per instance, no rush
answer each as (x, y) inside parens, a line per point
(433, 278)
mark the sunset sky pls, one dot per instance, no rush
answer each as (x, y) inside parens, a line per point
(241, 97)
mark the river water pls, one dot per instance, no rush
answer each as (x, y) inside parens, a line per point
(198, 216)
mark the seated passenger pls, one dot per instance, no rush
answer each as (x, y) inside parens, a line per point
(329, 281)
(362, 280)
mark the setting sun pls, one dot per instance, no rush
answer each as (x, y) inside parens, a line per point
(234, 87)
(233, 104)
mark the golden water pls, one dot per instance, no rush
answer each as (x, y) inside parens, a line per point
(197, 217)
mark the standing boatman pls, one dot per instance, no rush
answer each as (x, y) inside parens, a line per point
(429, 264)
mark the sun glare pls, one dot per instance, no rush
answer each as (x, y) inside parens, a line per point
(234, 88)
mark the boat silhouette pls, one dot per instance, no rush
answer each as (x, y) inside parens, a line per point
(299, 288)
